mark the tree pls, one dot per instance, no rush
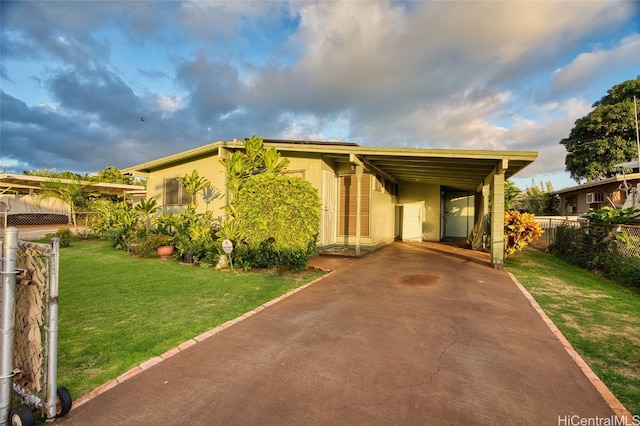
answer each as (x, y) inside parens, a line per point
(604, 137)
(113, 175)
(72, 193)
(512, 194)
(541, 200)
(52, 173)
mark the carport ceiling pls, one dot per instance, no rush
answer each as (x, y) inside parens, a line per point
(463, 173)
(453, 168)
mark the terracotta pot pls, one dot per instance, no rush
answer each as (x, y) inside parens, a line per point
(165, 252)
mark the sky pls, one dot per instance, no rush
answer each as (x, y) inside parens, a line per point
(78, 76)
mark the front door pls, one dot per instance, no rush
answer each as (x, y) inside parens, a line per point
(329, 196)
(458, 215)
(412, 222)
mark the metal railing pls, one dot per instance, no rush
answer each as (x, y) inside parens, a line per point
(550, 224)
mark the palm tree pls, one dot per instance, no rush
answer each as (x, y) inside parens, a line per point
(70, 192)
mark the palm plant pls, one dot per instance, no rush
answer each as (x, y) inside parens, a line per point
(194, 183)
(72, 193)
(146, 208)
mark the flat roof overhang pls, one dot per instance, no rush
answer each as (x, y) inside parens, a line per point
(452, 168)
(24, 183)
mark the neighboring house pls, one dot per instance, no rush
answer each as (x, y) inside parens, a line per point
(612, 192)
(392, 193)
(19, 195)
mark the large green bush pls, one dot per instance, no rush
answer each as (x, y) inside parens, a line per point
(280, 219)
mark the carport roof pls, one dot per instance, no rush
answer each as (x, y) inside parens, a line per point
(453, 168)
(24, 183)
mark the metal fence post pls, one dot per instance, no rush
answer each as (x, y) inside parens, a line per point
(7, 315)
(52, 330)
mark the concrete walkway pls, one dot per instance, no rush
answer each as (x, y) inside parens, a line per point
(412, 334)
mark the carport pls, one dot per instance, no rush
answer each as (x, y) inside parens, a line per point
(478, 172)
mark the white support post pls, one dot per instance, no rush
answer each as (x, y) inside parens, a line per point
(359, 172)
(497, 221)
(52, 330)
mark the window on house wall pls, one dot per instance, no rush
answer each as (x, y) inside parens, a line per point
(174, 193)
(595, 197)
(348, 204)
(296, 173)
(391, 188)
(386, 186)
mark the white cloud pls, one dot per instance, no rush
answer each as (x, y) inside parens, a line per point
(169, 104)
(441, 74)
(590, 65)
(551, 123)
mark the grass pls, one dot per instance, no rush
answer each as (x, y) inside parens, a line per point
(600, 318)
(116, 311)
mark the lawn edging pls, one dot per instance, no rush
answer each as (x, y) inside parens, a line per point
(620, 411)
(187, 344)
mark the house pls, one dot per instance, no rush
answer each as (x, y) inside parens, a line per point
(370, 196)
(19, 202)
(617, 192)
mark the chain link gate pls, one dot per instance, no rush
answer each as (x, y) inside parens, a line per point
(29, 316)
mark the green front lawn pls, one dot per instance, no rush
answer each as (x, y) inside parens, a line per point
(116, 311)
(600, 318)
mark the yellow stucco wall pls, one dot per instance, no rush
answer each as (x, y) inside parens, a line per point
(383, 217)
(207, 167)
(430, 195)
(383, 220)
(311, 166)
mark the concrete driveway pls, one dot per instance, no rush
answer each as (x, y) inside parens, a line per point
(412, 334)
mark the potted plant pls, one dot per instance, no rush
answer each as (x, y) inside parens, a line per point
(166, 247)
(161, 244)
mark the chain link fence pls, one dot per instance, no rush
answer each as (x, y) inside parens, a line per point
(627, 236)
(38, 226)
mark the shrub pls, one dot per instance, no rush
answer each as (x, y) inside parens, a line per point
(597, 248)
(280, 219)
(519, 230)
(609, 215)
(148, 246)
(569, 245)
(64, 234)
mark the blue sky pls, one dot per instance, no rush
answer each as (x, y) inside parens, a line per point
(436, 74)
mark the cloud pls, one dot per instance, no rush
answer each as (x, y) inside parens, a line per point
(591, 65)
(214, 21)
(96, 91)
(429, 74)
(169, 104)
(553, 122)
